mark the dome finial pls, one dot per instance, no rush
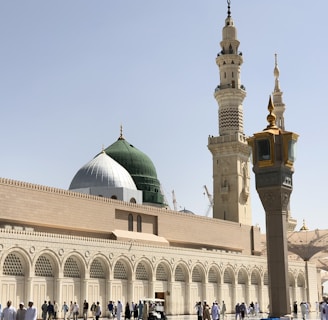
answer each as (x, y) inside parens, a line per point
(304, 226)
(271, 118)
(229, 12)
(121, 133)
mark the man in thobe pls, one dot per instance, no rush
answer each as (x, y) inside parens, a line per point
(31, 312)
(8, 313)
(20, 315)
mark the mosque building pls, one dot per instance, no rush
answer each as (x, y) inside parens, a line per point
(115, 238)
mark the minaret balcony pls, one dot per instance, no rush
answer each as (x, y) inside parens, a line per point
(223, 52)
(229, 86)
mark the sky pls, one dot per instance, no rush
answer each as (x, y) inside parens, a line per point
(72, 72)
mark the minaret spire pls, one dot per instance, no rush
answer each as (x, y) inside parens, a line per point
(229, 12)
(277, 98)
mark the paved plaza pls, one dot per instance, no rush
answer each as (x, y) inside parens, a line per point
(311, 316)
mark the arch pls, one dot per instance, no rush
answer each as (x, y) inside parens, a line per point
(291, 279)
(74, 267)
(133, 200)
(143, 271)
(16, 263)
(162, 272)
(181, 273)
(122, 269)
(47, 255)
(242, 277)
(44, 266)
(255, 277)
(98, 268)
(266, 278)
(228, 275)
(198, 274)
(213, 275)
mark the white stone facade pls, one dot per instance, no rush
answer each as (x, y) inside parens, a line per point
(44, 266)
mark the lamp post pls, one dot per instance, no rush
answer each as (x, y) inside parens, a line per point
(273, 152)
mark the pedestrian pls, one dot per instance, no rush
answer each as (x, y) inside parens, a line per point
(64, 309)
(71, 308)
(237, 311)
(44, 309)
(295, 309)
(50, 310)
(98, 310)
(215, 311)
(242, 310)
(199, 310)
(93, 310)
(56, 309)
(304, 309)
(119, 310)
(144, 311)
(206, 312)
(76, 310)
(9, 313)
(140, 309)
(20, 314)
(110, 309)
(85, 309)
(127, 312)
(31, 312)
(223, 309)
(135, 312)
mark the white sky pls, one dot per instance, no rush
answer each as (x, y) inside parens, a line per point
(73, 71)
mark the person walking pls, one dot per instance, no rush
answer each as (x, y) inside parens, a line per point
(199, 310)
(50, 310)
(56, 309)
(85, 309)
(135, 312)
(110, 307)
(44, 309)
(64, 309)
(93, 310)
(119, 310)
(223, 309)
(9, 313)
(31, 312)
(20, 314)
(140, 309)
(127, 312)
(76, 310)
(98, 310)
(206, 312)
(215, 311)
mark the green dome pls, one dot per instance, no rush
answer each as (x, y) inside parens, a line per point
(140, 167)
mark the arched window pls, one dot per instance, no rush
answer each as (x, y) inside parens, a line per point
(139, 226)
(133, 200)
(130, 222)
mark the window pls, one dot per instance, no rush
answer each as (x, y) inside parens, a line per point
(263, 149)
(139, 226)
(130, 222)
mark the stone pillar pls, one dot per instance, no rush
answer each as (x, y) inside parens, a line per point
(273, 158)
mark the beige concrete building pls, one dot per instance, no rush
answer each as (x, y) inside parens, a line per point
(111, 236)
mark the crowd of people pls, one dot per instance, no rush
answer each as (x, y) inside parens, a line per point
(218, 312)
(22, 313)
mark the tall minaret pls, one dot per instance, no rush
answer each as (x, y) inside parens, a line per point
(279, 108)
(231, 153)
